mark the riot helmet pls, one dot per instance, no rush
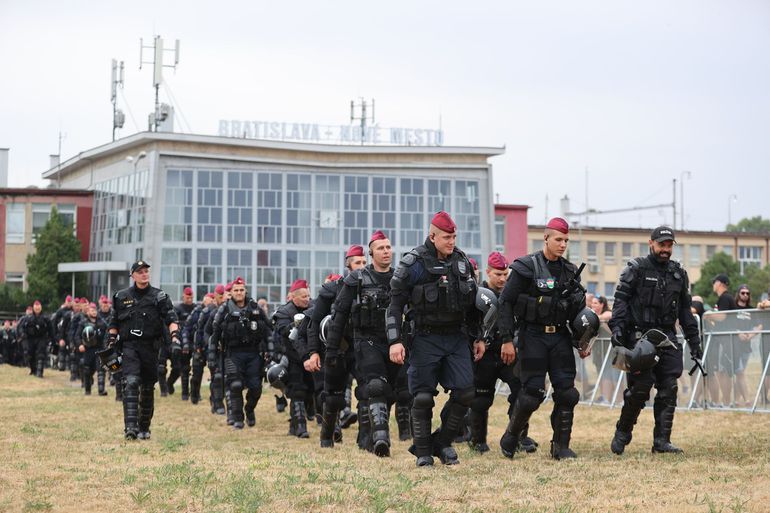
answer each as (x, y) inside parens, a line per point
(110, 358)
(88, 336)
(278, 373)
(642, 357)
(323, 328)
(585, 327)
(486, 302)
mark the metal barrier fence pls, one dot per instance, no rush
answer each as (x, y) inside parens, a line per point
(736, 356)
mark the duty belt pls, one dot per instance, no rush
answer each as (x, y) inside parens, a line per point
(544, 328)
(438, 330)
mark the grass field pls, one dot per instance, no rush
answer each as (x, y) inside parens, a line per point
(62, 451)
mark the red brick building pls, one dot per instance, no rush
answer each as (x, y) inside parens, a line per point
(511, 230)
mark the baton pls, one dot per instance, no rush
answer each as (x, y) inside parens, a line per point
(697, 366)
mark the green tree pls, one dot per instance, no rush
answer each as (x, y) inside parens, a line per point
(718, 264)
(12, 299)
(758, 281)
(754, 224)
(55, 244)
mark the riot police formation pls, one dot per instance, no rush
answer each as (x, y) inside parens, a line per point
(8, 344)
(105, 314)
(362, 303)
(141, 313)
(241, 333)
(38, 333)
(203, 333)
(436, 285)
(331, 361)
(541, 299)
(299, 388)
(61, 319)
(91, 336)
(189, 340)
(491, 367)
(181, 355)
(653, 293)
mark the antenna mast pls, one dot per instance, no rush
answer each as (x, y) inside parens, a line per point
(118, 118)
(363, 119)
(162, 110)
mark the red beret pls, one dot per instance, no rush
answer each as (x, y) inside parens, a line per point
(378, 235)
(187, 291)
(219, 289)
(443, 222)
(497, 261)
(473, 263)
(333, 277)
(355, 250)
(36, 303)
(558, 224)
(84, 300)
(229, 287)
(104, 299)
(238, 281)
(298, 284)
(68, 299)
(92, 305)
(210, 294)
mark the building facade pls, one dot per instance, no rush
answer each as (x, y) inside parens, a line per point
(607, 250)
(511, 230)
(24, 212)
(203, 209)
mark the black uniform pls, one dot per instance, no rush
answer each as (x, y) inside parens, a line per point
(650, 295)
(363, 303)
(180, 356)
(441, 298)
(538, 299)
(242, 334)
(213, 361)
(141, 316)
(7, 345)
(73, 342)
(61, 321)
(190, 342)
(38, 333)
(89, 360)
(300, 382)
(101, 373)
(486, 372)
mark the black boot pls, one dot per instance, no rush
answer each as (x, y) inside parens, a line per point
(170, 383)
(364, 439)
(347, 416)
(453, 423)
(146, 410)
(280, 403)
(195, 388)
(519, 418)
(632, 406)
(217, 399)
(328, 426)
(251, 403)
(185, 387)
(379, 414)
(100, 382)
(87, 383)
(527, 444)
(236, 406)
(229, 405)
(404, 421)
(131, 407)
(561, 422)
(300, 419)
(118, 376)
(421, 434)
(479, 421)
(162, 381)
(664, 424)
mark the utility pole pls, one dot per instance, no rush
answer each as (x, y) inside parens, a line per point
(161, 111)
(118, 118)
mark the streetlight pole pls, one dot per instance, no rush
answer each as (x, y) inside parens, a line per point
(681, 197)
(730, 200)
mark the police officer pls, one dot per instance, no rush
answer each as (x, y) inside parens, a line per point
(141, 313)
(300, 385)
(363, 303)
(435, 280)
(653, 292)
(91, 334)
(61, 320)
(7, 343)
(189, 339)
(541, 298)
(491, 367)
(180, 356)
(338, 359)
(204, 331)
(38, 333)
(241, 331)
(105, 314)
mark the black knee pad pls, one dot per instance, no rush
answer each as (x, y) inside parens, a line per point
(667, 391)
(638, 393)
(530, 398)
(254, 394)
(566, 397)
(403, 397)
(423, 400)
(236, 386)
(361, 393)
(463, 397)
(335, 402)
(378, 388)
(482, 402)
(133, 382)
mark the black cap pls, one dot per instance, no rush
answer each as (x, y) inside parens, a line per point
(139, 264)
(721, 277)
(662, 233)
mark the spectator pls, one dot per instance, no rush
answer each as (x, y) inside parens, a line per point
(720, 360)
(610, 376)
(742, 345)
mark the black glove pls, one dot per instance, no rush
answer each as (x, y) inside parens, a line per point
(617, 340)
(112, 339)
(695, 349)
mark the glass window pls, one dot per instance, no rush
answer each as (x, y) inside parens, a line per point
(693, 251)
(628, 248)
(592, 287)
(239, 264)
(327, 196)
(384, 206)
(178, 206)
(240, 198)
(677, 253)
(297, 266)
(592, 248)
(208, 271)
(268, 276)
(609, 252)
(466, 214)
(710, 251)
(298, 209)
(210, 195)
(609, 289)
(728, 250)
(413, 225)
(326, 263)
(41, 212)
(15, 223)
(644, 249)
(176, 271)
(269, 203)
(438, 197)
(356, 213)
(500, 233)
(15, 280)
(749, 255)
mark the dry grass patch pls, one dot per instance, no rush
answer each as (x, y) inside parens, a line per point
(63, 451)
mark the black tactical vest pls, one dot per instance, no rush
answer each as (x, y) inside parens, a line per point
(139, 316)
(544, 302)
(36, 327)
(240, 326)
(445, 292)
(656, 302)
(371, 303)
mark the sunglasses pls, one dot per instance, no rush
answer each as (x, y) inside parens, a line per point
(744, 293)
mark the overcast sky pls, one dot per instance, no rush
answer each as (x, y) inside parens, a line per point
(629, 94)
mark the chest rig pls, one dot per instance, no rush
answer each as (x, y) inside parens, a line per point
(656, 302)
(139, 315)
(371, 303)
(543, 303)
(241, 327)
(446, 290)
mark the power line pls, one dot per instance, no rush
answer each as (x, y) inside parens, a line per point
(178, 107)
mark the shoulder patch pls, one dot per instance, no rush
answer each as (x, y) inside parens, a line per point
(351, 279)
(409, 258)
